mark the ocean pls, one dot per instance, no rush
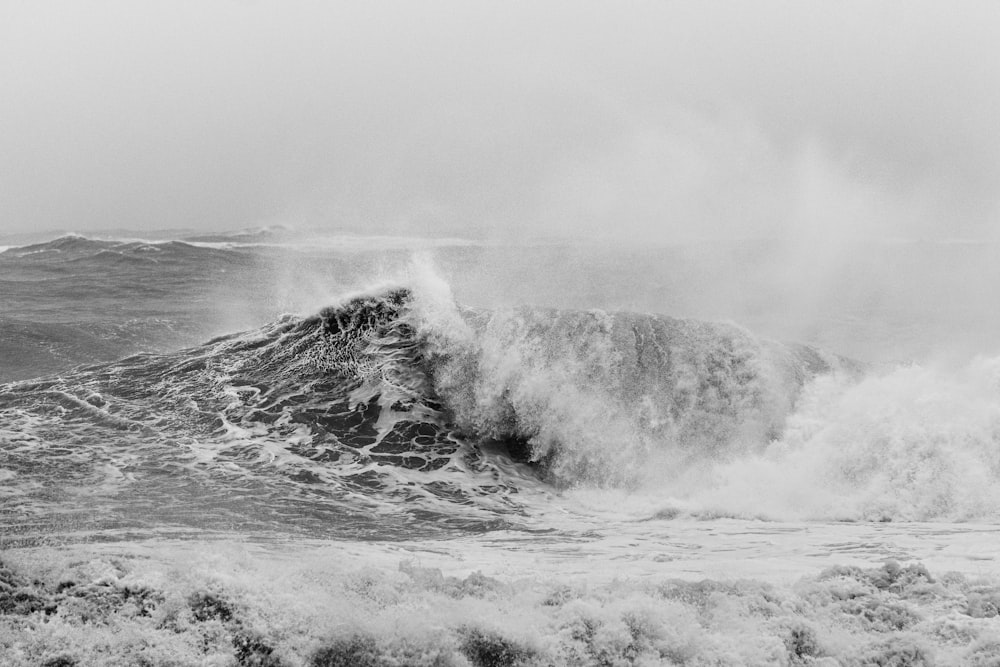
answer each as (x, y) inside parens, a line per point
(270, 448)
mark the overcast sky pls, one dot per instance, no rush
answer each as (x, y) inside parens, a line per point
(660, 120)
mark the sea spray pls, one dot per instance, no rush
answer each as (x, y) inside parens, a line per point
(907, 443)
(592, 395)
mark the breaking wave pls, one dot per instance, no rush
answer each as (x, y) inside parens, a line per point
(397, 411)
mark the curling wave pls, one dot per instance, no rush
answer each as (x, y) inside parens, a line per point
(397, 411)
(586, 395)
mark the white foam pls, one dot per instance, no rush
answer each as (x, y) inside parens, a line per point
(636, 597)
(914, 443)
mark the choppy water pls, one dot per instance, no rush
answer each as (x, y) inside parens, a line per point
(438, 460)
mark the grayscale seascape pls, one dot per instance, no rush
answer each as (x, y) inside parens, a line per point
(638, 369)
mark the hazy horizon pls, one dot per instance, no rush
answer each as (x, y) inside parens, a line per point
(812, 122)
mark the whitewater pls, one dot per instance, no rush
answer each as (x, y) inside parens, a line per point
(258, 449)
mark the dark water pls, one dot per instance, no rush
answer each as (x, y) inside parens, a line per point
(76, 300)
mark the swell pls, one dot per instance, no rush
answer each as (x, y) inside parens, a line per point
(76, 300)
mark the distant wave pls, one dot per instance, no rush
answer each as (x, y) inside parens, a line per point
(81, 248)
(129, 246)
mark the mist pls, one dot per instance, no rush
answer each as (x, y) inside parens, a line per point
(791, 166)
(656, 123)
